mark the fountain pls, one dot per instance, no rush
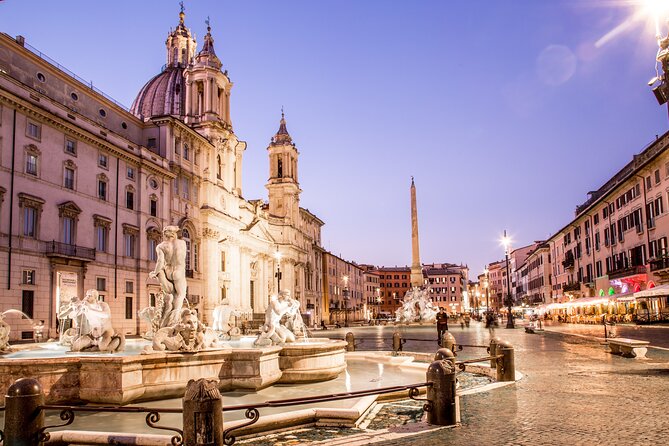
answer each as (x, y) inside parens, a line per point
(417, 307)
(178, 347)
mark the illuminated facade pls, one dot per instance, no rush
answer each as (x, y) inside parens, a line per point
(87, 186)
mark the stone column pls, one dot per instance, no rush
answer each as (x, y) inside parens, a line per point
(416, 270)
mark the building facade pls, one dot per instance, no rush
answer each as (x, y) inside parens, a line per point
(447, 285)
(343, 290)
(87, 186)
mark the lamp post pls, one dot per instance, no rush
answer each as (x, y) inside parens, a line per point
(506, 241)
(487, 285)
(345, 301)
(277, 256)
(378, 304)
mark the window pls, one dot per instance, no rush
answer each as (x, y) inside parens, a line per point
(223, 261)
(128, 307)
(28, 277)
(657, 176)
(33, 130)
(151, 143)
(185, 188)
(27, 302)
(219, 168)
(186, 152)
(129, 243)
(130, 173)
(152, 250)
(153, 183)
(595, 219)
(101, 238)
(101, 284)
(649, 183)
(70, 146)
(102, 160)
(31, 164)
(102, 189)
(30, 222)
(74, 96)
(185, 236)
(129, 199)
(153, 207)
(103, 113)
(68, 178)
(68, 230)
(129, 287)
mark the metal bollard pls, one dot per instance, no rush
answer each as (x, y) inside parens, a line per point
(444, 354)
(23, 418)
(350, 339)
(493, 351)
(506, 369)
(448, 341)
(397, 342)
(202, 414)
(441, 394)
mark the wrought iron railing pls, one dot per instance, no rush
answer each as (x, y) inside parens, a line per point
(628, 271)
(67, 414)
(252, 413)
(65, 249)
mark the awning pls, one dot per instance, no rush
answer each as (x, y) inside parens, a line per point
(588, 301)
(627, 297)
(662, 290)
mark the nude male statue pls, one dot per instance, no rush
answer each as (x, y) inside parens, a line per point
(170, 270)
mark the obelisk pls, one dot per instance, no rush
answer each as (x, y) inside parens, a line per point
(416, 270)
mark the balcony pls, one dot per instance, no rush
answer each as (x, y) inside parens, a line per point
(626, 272)
(575, 286)
(57, 249)
(659, 264)
(568, 263)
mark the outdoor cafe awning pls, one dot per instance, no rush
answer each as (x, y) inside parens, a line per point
(662, 290)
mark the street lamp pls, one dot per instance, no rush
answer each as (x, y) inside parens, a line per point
(378, 304)
(487, 285)
(277, 256)
(506, 241)
(660, 83)
(345, 301)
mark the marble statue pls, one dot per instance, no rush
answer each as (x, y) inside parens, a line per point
(221, 320)
(187, 335)
(417, 307)
(94, 325)
(282, 321)
(67, 320)
(4, 334)
(170, 271)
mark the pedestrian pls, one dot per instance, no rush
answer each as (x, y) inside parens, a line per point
(442, 323)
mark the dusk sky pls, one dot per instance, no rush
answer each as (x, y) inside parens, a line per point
(506, 112)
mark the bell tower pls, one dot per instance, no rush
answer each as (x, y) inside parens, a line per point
(283, 186)
(207, 87)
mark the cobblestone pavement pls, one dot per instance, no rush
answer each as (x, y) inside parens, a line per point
(573, 392)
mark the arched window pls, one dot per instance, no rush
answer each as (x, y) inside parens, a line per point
(219, 168)
(279, 169)
(185, 235)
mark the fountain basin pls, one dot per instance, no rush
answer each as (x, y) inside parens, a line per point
(121, 379)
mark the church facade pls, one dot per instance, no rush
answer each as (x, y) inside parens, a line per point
(86, 187)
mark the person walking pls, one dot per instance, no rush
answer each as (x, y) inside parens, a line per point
(442, 323)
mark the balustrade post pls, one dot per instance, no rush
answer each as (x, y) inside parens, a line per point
(202, 414)
(397, 342)
(493, 351)
(441, 394)
(506, 368)
(448, 341)
(350, 339)
(23, 416)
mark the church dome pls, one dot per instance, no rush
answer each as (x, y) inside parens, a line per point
(162, 95)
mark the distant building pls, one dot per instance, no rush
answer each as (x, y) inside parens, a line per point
(447, 284)
(343, 290)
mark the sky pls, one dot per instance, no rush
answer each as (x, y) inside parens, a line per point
(505, 112)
